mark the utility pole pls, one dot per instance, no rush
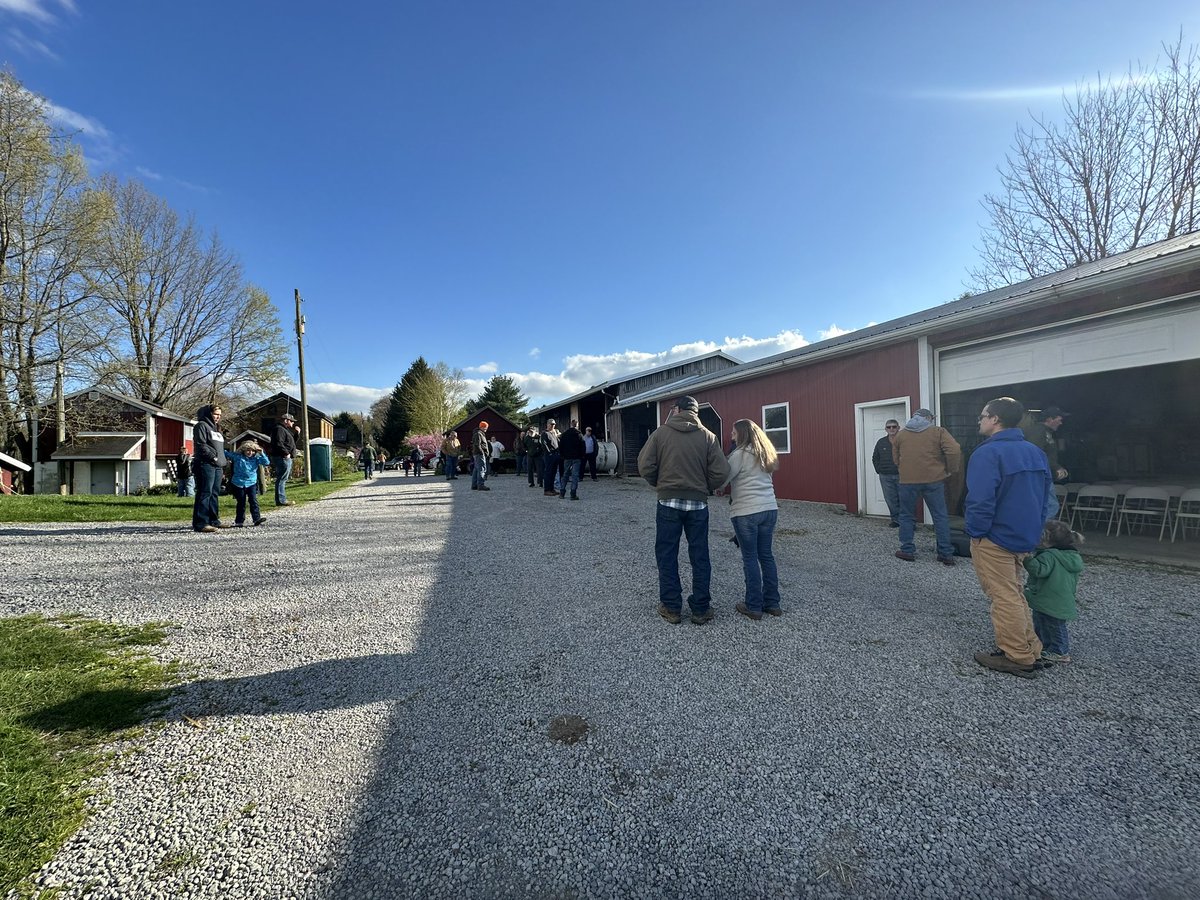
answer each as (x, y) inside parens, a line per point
(61, 411)
(303, 392)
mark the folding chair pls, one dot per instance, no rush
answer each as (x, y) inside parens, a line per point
(1060, 491)
(1145, 505)
(1094, 504)
(1073, 489)
(1189, 508)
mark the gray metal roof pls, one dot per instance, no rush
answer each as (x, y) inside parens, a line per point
(945, 313)
(121, 446)
(144, 405)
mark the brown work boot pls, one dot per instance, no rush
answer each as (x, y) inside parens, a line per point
(673, 617)
(998, 662)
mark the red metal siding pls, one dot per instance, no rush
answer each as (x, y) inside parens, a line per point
(170, 436)
(822, 465)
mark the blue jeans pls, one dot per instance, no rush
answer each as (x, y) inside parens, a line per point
(934, 495)
(549, 470)
(1052, 633)
(521, 459)
(206, 509)
(535, 469)
(187, 486)
(754, 533)
(242, 494)
(1051, 511)
(669, 525)
(891, 494)
(368, 469)
(282, 468)
(479, 471)
(450, 466)
(571, 474)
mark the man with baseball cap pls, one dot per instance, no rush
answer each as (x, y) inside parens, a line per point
(1040, 430)
(283, 448)
(683, 462)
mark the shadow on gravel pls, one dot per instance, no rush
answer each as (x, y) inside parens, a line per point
(98, 530)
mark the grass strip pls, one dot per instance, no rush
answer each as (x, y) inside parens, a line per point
(108, 508)
(68, 687)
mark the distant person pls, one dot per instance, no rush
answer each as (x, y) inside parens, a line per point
(497, 450)
(185, 480)
(754, 512)
(533, 448)
(571, 451)
(591, 449)
(521, 454)
(1051, 589)
(926, 455)
(368, 457)
(451, 447)
(416, 458)
(243, 481)
(283, 450)
(1041, 430)
(683, 462)
(888, 471)
(209, 463)
(1008, 486)
(550, 459)
(481, 449)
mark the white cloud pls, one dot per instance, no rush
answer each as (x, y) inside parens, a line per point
(74, 121)
(28, 46)
(831, 332)
(1030, 92)
(535, 352)
(147, 173)
(487, 368)
(333, 398)
(38, 10)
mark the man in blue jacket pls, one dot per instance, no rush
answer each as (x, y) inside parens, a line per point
(1008, 487)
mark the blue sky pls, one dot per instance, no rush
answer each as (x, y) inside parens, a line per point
(564, 191)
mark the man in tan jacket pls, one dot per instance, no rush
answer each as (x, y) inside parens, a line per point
(926, 455)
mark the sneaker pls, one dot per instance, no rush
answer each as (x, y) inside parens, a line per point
(1060, 658)
(287, 503)
(703, 618)
(998, 662)
(550, 493)
(673, 617)
(207, 529)
(947, 560)
(239, 524)
(262, 521)
(773, 611)
(907, 557)
(746, 611)
(224, 525)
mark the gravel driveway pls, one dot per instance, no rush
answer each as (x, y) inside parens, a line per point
(377, 675)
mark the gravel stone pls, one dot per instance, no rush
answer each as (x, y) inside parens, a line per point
(375, 676)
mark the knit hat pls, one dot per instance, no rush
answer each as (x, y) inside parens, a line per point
(688, 403)
(483, 425)
(925, 413)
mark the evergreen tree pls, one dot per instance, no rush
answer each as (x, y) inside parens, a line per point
(350, 422)
(398, 423)
(501, 394)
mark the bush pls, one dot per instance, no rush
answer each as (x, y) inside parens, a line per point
(343, 465)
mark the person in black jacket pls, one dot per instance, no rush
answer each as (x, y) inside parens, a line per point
(283, 448)
(572, 449)
(209, 444)
(888, 471)
(183, 473)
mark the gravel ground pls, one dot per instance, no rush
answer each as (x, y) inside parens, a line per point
(377, 675)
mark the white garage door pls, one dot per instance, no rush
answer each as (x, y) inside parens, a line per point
(1150, 339)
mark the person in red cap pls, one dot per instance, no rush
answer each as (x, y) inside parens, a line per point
(480, 448)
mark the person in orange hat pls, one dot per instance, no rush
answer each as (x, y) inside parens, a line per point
(480, 449)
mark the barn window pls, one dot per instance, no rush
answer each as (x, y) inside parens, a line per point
(777, 423)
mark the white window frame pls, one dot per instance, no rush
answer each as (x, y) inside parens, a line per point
(787, 406)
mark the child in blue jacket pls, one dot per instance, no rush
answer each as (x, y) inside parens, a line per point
(1050, 592)
(243, 482)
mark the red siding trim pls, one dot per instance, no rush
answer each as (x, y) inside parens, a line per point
(822, 465)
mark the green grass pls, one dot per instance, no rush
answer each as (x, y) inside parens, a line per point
(68, 686)
(87, 508)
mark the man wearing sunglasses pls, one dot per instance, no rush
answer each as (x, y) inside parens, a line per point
(888, 472)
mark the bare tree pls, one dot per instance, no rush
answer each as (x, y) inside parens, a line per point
(1118, 171)
(50, 219)
(192, 328)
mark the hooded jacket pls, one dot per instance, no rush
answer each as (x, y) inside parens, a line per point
(283, 442)
(480, 445)
(1053, 581)
(683, 460)
(207, 440)
(924, 452)
(570, 444)
(1008, 485)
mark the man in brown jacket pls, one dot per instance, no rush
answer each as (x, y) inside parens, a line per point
(683, 462)
(926, 455)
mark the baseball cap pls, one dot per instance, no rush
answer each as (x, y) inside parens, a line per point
(687, 402)
(1052, 412)
(288, 417)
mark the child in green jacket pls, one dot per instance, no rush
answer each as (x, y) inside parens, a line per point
(1050, 592)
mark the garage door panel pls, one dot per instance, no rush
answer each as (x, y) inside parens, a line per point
(1164, 337)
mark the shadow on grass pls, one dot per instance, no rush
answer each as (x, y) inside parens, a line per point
(96, 714)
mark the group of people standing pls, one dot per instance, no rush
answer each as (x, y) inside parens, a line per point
(1010, 517)
(205, 470)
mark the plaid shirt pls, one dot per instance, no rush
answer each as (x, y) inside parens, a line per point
(685, 505)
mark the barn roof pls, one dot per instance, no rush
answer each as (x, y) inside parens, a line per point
(6, 460)
(109, 446)
(492, 414)
(292, 401)
(1184, 250)
(144, 405)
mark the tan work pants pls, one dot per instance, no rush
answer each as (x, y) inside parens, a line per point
(999, 573)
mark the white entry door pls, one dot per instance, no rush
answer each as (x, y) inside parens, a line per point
(871, 417)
